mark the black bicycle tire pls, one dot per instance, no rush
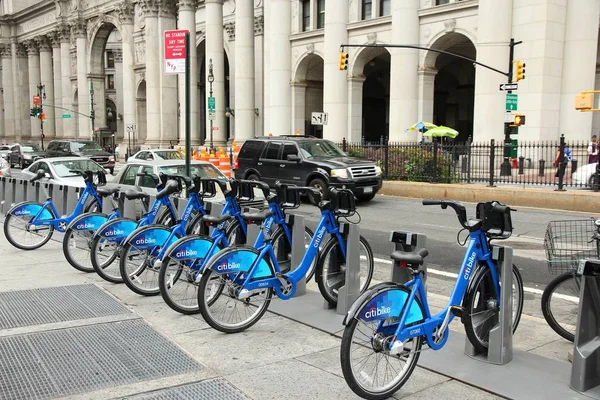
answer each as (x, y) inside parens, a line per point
(20, 246)
(546, 309)
(65, 247)
(319, 268)
(347, 367)
(97, 268)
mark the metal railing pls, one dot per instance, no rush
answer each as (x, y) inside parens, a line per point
(526, 163)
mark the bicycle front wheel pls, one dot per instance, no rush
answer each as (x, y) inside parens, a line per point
(103, 253)
(560, 304)
(24, 236)
(138, 269)
(331, 269)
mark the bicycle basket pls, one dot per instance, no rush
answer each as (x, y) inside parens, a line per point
(288, 196)
(496, 224)
(342, 202)
(567, 242)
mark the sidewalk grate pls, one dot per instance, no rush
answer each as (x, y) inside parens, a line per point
(56, 304)
(216, 389)
(82, 359)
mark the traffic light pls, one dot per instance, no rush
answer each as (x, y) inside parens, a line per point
(343, 61)
(35, 112)
(43, 116)
(32, 112)
(519, 71)
(92, 114)
(519, 120)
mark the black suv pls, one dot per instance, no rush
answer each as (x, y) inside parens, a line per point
(81, 148)
(304, 160)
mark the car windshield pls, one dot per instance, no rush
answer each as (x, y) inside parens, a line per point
(203, 171)
(63, 168)
(4, 148)
(168, 155)
(30, 148)
(320, 148)
(87, 145)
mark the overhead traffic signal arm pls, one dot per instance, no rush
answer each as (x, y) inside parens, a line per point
(343, 61)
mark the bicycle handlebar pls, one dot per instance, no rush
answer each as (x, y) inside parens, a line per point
(172, 186)
(461, 211)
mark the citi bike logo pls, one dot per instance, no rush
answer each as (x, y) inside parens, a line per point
(469, 268)
(187, 214)
(22, 212)
(145, 241)
(84, 197)
(268, 224)
(186, 253)
(375, 312)
(114, 232)
(229, 266)
(155, 208)
(86, 225)
(320, 235)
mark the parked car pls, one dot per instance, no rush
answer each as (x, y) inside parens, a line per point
(81, 148)
(5, 151)
(4, 168)
(305, 160)
(583, 175)
(24, 154)
(58, 170)
(156, 154)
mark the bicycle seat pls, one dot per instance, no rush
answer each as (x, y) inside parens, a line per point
(107, 191)
(413, 259)
(256, 217)
(134, 194)
(214, 220)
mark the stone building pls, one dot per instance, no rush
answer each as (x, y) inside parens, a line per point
(271, 63)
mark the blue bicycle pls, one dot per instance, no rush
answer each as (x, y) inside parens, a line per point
(249, 274)
(108, 239)
(40, 220)
(393, 320)
(185, 259)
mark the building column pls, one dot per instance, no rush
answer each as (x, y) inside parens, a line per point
(56, 83)
(68, 125)
(2, 113)
(85, 129)
(125, 12)
(216, 53)
(426, 96)
(47, 79)
(244, 71)
(22, 100)
(280, 67)
(266, 57)
(33, 60)
(355, 108)
(299, 106)
(259, 75)
(150, 9)
(335, 85)
(119, 134)
(404, 86)
(578, 66)
(168, 83)
(494, 28)
(187, 20)
(9, 93)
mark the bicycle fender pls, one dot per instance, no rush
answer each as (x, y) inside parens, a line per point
(88, 222)
(364, 298)
(117, 228)
(192, 248)
(30, 209)
(235, 259)
(150, 236)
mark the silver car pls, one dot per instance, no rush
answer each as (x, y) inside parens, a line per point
(156, 155)
(59, 169)
(4, 168)
(4, 151)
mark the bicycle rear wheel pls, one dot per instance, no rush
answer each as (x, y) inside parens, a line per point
(23, 236)
(560, 304)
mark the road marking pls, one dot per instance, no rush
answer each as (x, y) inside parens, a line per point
(454, 276)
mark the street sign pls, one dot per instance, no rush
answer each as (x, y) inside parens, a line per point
(211, 105)
(508, 117)
(131, 128)
(511, 102)
(319, 118)
(212, 116)
(509, 86)
(215, 128)
(66, 116)
(175, 51)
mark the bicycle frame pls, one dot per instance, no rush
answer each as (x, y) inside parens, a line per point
(477, 251)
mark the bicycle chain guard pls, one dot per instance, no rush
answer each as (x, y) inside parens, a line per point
(287, 289)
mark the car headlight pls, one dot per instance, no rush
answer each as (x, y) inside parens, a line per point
(26, 157)
(111, 159)
(378, 170)
(340, 173)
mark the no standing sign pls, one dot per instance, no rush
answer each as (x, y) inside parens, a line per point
(175, 52)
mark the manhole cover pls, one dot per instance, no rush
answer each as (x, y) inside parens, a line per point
(216, 389)
(82, 359)
(56, 304)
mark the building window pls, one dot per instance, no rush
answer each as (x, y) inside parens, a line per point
(441, 2)
(367, 7)
(386, 8)
(305, 15)
(110, 82)
(110, 59)
(321, 14)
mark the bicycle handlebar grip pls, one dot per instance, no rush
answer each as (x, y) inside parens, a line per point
(260, 185)
(428, 202)
(501, 208)
(171, 187)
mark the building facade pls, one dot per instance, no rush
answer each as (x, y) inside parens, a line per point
(271, 64)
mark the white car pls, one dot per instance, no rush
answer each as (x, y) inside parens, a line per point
(583, 174)
(59, 169)
(156, 155)
(4, 168)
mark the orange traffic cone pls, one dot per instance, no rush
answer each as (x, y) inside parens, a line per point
(214, 160)
(225, 165)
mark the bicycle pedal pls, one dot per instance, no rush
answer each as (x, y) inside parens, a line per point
(457, 311)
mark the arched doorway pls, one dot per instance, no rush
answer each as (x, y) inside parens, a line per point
(307, 95)
(454, 84)
(140, 101)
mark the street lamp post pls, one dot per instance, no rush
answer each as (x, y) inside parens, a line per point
(42, 94)
(211, 79)
(92, 112)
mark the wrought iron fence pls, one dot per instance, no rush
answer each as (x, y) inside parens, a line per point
(517, 163)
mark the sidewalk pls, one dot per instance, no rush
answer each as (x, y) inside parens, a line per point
(68, 334)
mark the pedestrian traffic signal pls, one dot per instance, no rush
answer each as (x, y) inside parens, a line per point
(343, 61)
(519, 71)
(519, 120)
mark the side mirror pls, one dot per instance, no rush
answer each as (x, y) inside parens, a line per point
(293, 157)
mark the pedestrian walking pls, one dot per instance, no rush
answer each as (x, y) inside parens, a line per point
(593, 151)
(561, 167)
(117, 150)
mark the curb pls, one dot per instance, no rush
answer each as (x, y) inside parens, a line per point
(517, 196)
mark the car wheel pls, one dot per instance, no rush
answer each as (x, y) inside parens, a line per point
(253, 177)
(594, 182)
(321, 186)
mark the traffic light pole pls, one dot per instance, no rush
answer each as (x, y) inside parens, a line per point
(92, 113)
(41, 93)
(505, 168)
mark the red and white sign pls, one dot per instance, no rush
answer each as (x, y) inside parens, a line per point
(175, 52)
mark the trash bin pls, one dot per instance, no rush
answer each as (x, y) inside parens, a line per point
(521, 164)
(573, 166)
(542, 167)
